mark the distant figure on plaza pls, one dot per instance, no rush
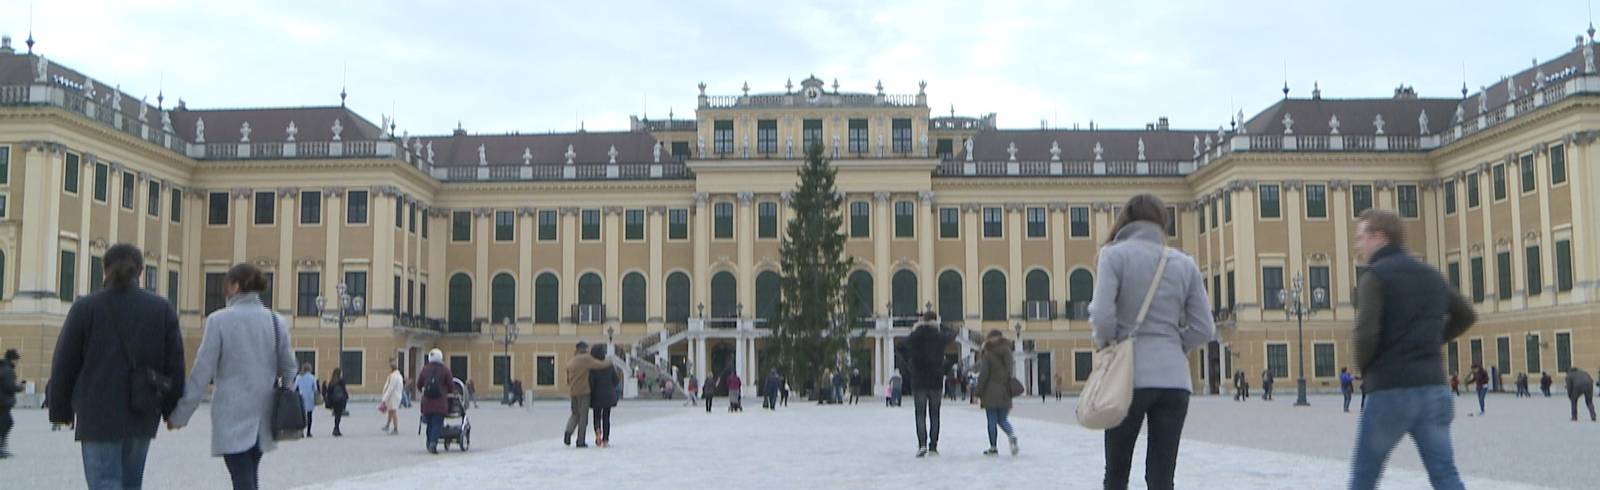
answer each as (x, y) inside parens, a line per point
(1178, 320)
(735, 396)
(1481, 377)
(783, 391)
(1408, 312)
(8, 397)
(1580, 385)
(896, 383)
(437, 383)
(1497, 379)
(972, 388)
(995, 364)
(691, 387)
(1455, 384)
(305, 384)
(857, 385)
(1056, 388)
(581, 392)
(924, 353)
(604, 381)
(838, 383)
(1544, 383)
(1241, 386)
(472, 393)
(1347, 386)
(709, 391)
(389, 404)
(105, 334)
(244, 350)
(335, 396)
(1266, 385)
(1522, 386)
(769, 390)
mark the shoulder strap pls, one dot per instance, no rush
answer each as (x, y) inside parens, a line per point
(1150, 295)
(277, 346)
(117, 325)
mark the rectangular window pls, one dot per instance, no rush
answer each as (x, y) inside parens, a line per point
(97, 273)
(1360, 199)
(1278, 360)
(1527, 168)
(905, 219)
(1499, 177)
(351, 361)
(633, 224)
(1036, 222)
(1502, 269)
(267, 296)
(1172, 221)
(860, 219)
(1406, 200)
(303, 357)
(1080, 220)
(424, 220)
(505, 226)
(1453, 273)
(1322, 359)
(1535, 279)
(70, 178)
(1475, 350)
(127, 189)
(355, 285)
(502, 370)
(461, 226)
(1216, 293)
(811, 134)
(460, 364)
(150, 277)
(722, 136)
(545, 371)
(1502, 354)
(680, 151)
(308, 288)
(176, 201)
(1227, 207)
(1563, 265)
(767, 136)
(214, 299)
(355, 209)
(397, 283)
(102, 177)
(411, 296)
(547, 225)
(172, 288)
(399, 213)
(1530, 345)
(411, 218)
(947, 148)
(1316, 201)
(677, 224)
(1317, 280)
(949, 223)
(1082, 364)
(1563, 351)
(1473, 199)
(900, 135)
(1216, 207)
(722, 220)
(422, 305)
(859, 136)
(1558, 164)
(1232, 298)
(1271, 284)
(266, 207)
(591, 224)
(1452, 357)
(767, 220)
(153, 198)
(310, 208)
(992, 226)
(1449, 198)
(217, 208)
(1475, 266)
(1269, 201)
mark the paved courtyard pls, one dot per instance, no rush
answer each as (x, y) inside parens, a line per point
(1521, 444)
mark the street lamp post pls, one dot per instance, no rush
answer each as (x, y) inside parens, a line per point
(346, 307)
(1293, 301)
(507, 336)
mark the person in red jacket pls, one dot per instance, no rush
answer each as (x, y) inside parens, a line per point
(436, 382)
(735, 404)
(1480, 377)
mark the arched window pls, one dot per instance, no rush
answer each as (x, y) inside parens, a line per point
(859, 290)
(502, 298)
(903, 293)
(633, 298)
(767, 294)
(460, 303)
(547, 299)
(678, 297)
(589, 289)
(1080, 287)
(950, 297)
(994, 295)
(1037, 286)
(724, 295)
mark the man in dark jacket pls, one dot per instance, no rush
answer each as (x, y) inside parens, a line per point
(8, 397)
(90, 377)
(1580, 385)
(770, 389)
(1407, 313)
(580, 391)
(1544, 383)
(924, 349)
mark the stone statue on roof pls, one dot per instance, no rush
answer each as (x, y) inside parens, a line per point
(1461, 111)
(88, 88)
(1483, 99)
(144, 110)
(166, 121)
(1141, 149)
(41, 70)
(1288, 123)
(200, 130)
(700, 146)
(292, 130)
(338, 128)
(1333, 124)
(430, 152)
(244, 132)
(1588, 58)
(1011, 151)
(788, 147)
(570, 154)
(1422, 121)
(1055, 151)
(1208, 142)
(611, 154)
(116, 99)
(1377, 122)
(969, 149)
(1197, 147)
(924, 145)
(1099, 151)
(1511, 88)
(385, 126)
(483, 159)
(1241, 121)
(655, 152)
(527, 155)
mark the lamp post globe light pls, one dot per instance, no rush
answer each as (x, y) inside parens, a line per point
(345, 308)
(1293, 301)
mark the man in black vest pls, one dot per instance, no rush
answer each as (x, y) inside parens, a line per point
(1407, 312)
(924, 349)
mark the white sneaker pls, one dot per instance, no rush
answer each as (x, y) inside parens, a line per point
(1013, 445)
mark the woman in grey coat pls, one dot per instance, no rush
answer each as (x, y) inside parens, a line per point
(1179, 320)
(257, 354)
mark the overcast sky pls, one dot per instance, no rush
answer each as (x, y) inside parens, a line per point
(539, 66)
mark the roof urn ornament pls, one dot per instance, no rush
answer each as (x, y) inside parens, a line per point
(611, 155)
(570, 154)
(483, 157)
(527, 155)
(969, 149)
(836, 85)
(200, 130)
(702, 89)
(1011, 150)
(291, 131)
(880, 88)
(244, 132)
(788, 86)
(746, 89)
(1333, 124)
(1377, 122)
(1288, 123)
(338, 129)
(922, 87)
(1141, 149)
(1055, 151)
(1422, 121)
(1099, 151)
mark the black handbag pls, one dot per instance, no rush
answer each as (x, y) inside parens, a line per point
(150, 392)
(288, 416)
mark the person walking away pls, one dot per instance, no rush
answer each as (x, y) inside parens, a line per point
(1544, 383)
(393, 389)
(1408, 312)
(855, 386)
(895, 382)
(8, 397)
(244, 353)
(1521, 384)
(305, 384)
(106, 335)
(692, 388)
(437, 384)
(335, 395)
(1455, 384)
(472, 394)
(924, 353)
(1347, 386)
(735, 396)
(1580, 384)
(995, 365)
(603, 384)
(1266, 385)
(838, 387)
(1178, 320)
(1479, 376)
(579, 389)
(1056, 388)
(770, 388)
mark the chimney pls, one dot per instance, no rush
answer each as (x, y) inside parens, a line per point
(5, 45)
(1162, 124)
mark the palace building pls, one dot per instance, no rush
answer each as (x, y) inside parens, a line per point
(664, 238)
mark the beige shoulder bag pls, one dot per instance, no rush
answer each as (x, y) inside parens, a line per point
(1109, 391)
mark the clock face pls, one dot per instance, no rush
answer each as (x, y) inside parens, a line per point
(812, 94)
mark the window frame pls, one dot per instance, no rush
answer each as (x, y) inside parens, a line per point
(860, 222)
(305, 201)
(1043, 222)
(1269, 294)
(633, 225)
(256, 208)
(71, 176)
(1269, 197)
(129, 187)
(1319, 204)
(998, 230)
(766, 220)
(211, 208)
(949, 229)
(306, 293)
(1357, 191)
(591, 220)
(1499, 188)
(1557, 155)
(722, 221)
(102, 182)
(1415, 203)
(677, 229)
(353, 207)
(1527, 174)
(905, 220)
(1087, 229)
(1266, 353)
(457, 230)
(549, 220)
(509, 227)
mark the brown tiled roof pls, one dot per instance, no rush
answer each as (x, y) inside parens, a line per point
(547, 149)
(1566, 65)
(1356, 116)
(272, 124)
(19, 69)
(1078, 145)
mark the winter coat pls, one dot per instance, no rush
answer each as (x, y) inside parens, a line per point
(392, 389)
(773, 384)
(336, 395)
(8, 385)
(1407, 312)
(89, 372)
(447, 385)
(578, 373)
(241, 355)
(733, 382)
(306, 385)
(995, 366)
(603, 384)
(1126, 269)
(924, 351)
(1579, 382)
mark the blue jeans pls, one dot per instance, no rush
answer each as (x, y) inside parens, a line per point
(435, 423)
(1482, 392)
(998, 417)
(1425, 412)
(115, 464)
(244, 468)
(1347, 394)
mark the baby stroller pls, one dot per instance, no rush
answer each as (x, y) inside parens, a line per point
(457, 426)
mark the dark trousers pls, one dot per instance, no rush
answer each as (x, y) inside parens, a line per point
(434, 423)
(602, 424)
(5, 428)
(1165, 410)
(578, 421)
(783, 398)
(244, 468)
(926, 401)
(338, 415)
(771, 401)
(708, 398)
(308, 422)
(1588, 399)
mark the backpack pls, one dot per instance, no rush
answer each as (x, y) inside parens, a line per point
(431, 388)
